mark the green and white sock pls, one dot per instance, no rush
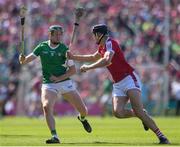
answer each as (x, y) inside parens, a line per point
(54, 134)
(82, 118)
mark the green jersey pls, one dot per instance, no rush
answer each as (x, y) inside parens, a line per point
(52, 60)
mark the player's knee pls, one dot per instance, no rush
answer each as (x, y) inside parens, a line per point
(118, 113)
(46, 107)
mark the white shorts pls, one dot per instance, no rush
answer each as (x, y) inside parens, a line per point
(130, 82)
(62, 87)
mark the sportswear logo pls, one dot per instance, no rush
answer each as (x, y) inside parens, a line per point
(136, 84)
(70, 86)
(52, 53)
(44, 52)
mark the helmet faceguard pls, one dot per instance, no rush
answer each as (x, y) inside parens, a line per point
(100, 28)
(52, 30)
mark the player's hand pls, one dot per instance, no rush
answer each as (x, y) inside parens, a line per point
(84, 68)
(69, 55)
(22, 58)
(54, 79)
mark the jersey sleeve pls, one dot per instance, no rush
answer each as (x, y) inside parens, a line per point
(65, 50)
(109, 47)
(37, 50)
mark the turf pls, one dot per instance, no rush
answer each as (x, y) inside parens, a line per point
(107, 131)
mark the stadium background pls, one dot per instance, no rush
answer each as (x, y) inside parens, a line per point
(148, 32)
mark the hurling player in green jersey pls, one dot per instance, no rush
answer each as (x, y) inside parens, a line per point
(56, 70)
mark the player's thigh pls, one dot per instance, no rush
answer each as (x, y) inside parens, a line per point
(119, 95)
(74, 98)
(48, 97)
(135, 99)
(119, 102)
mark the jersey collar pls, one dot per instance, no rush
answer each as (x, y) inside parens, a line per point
(51, 46)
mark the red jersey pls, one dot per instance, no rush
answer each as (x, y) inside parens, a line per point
(119, 68)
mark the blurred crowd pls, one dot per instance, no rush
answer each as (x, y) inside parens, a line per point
(138, 25)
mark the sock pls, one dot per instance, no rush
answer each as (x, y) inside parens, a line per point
(54, 134)
(159, 133)
(82, 118)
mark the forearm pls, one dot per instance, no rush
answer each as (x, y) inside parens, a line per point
(68, 74)
(26, 59)
(100, 63)
(105, 61)
(84, 58)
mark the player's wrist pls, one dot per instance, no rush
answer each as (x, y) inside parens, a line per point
(88, 67)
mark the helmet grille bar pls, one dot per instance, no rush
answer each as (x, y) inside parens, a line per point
(100, 28)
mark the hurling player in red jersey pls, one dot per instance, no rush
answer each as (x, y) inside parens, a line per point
(126, 82)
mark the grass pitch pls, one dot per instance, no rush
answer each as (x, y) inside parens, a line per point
(108, 131)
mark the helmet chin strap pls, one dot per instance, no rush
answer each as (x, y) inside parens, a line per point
(100, 38)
